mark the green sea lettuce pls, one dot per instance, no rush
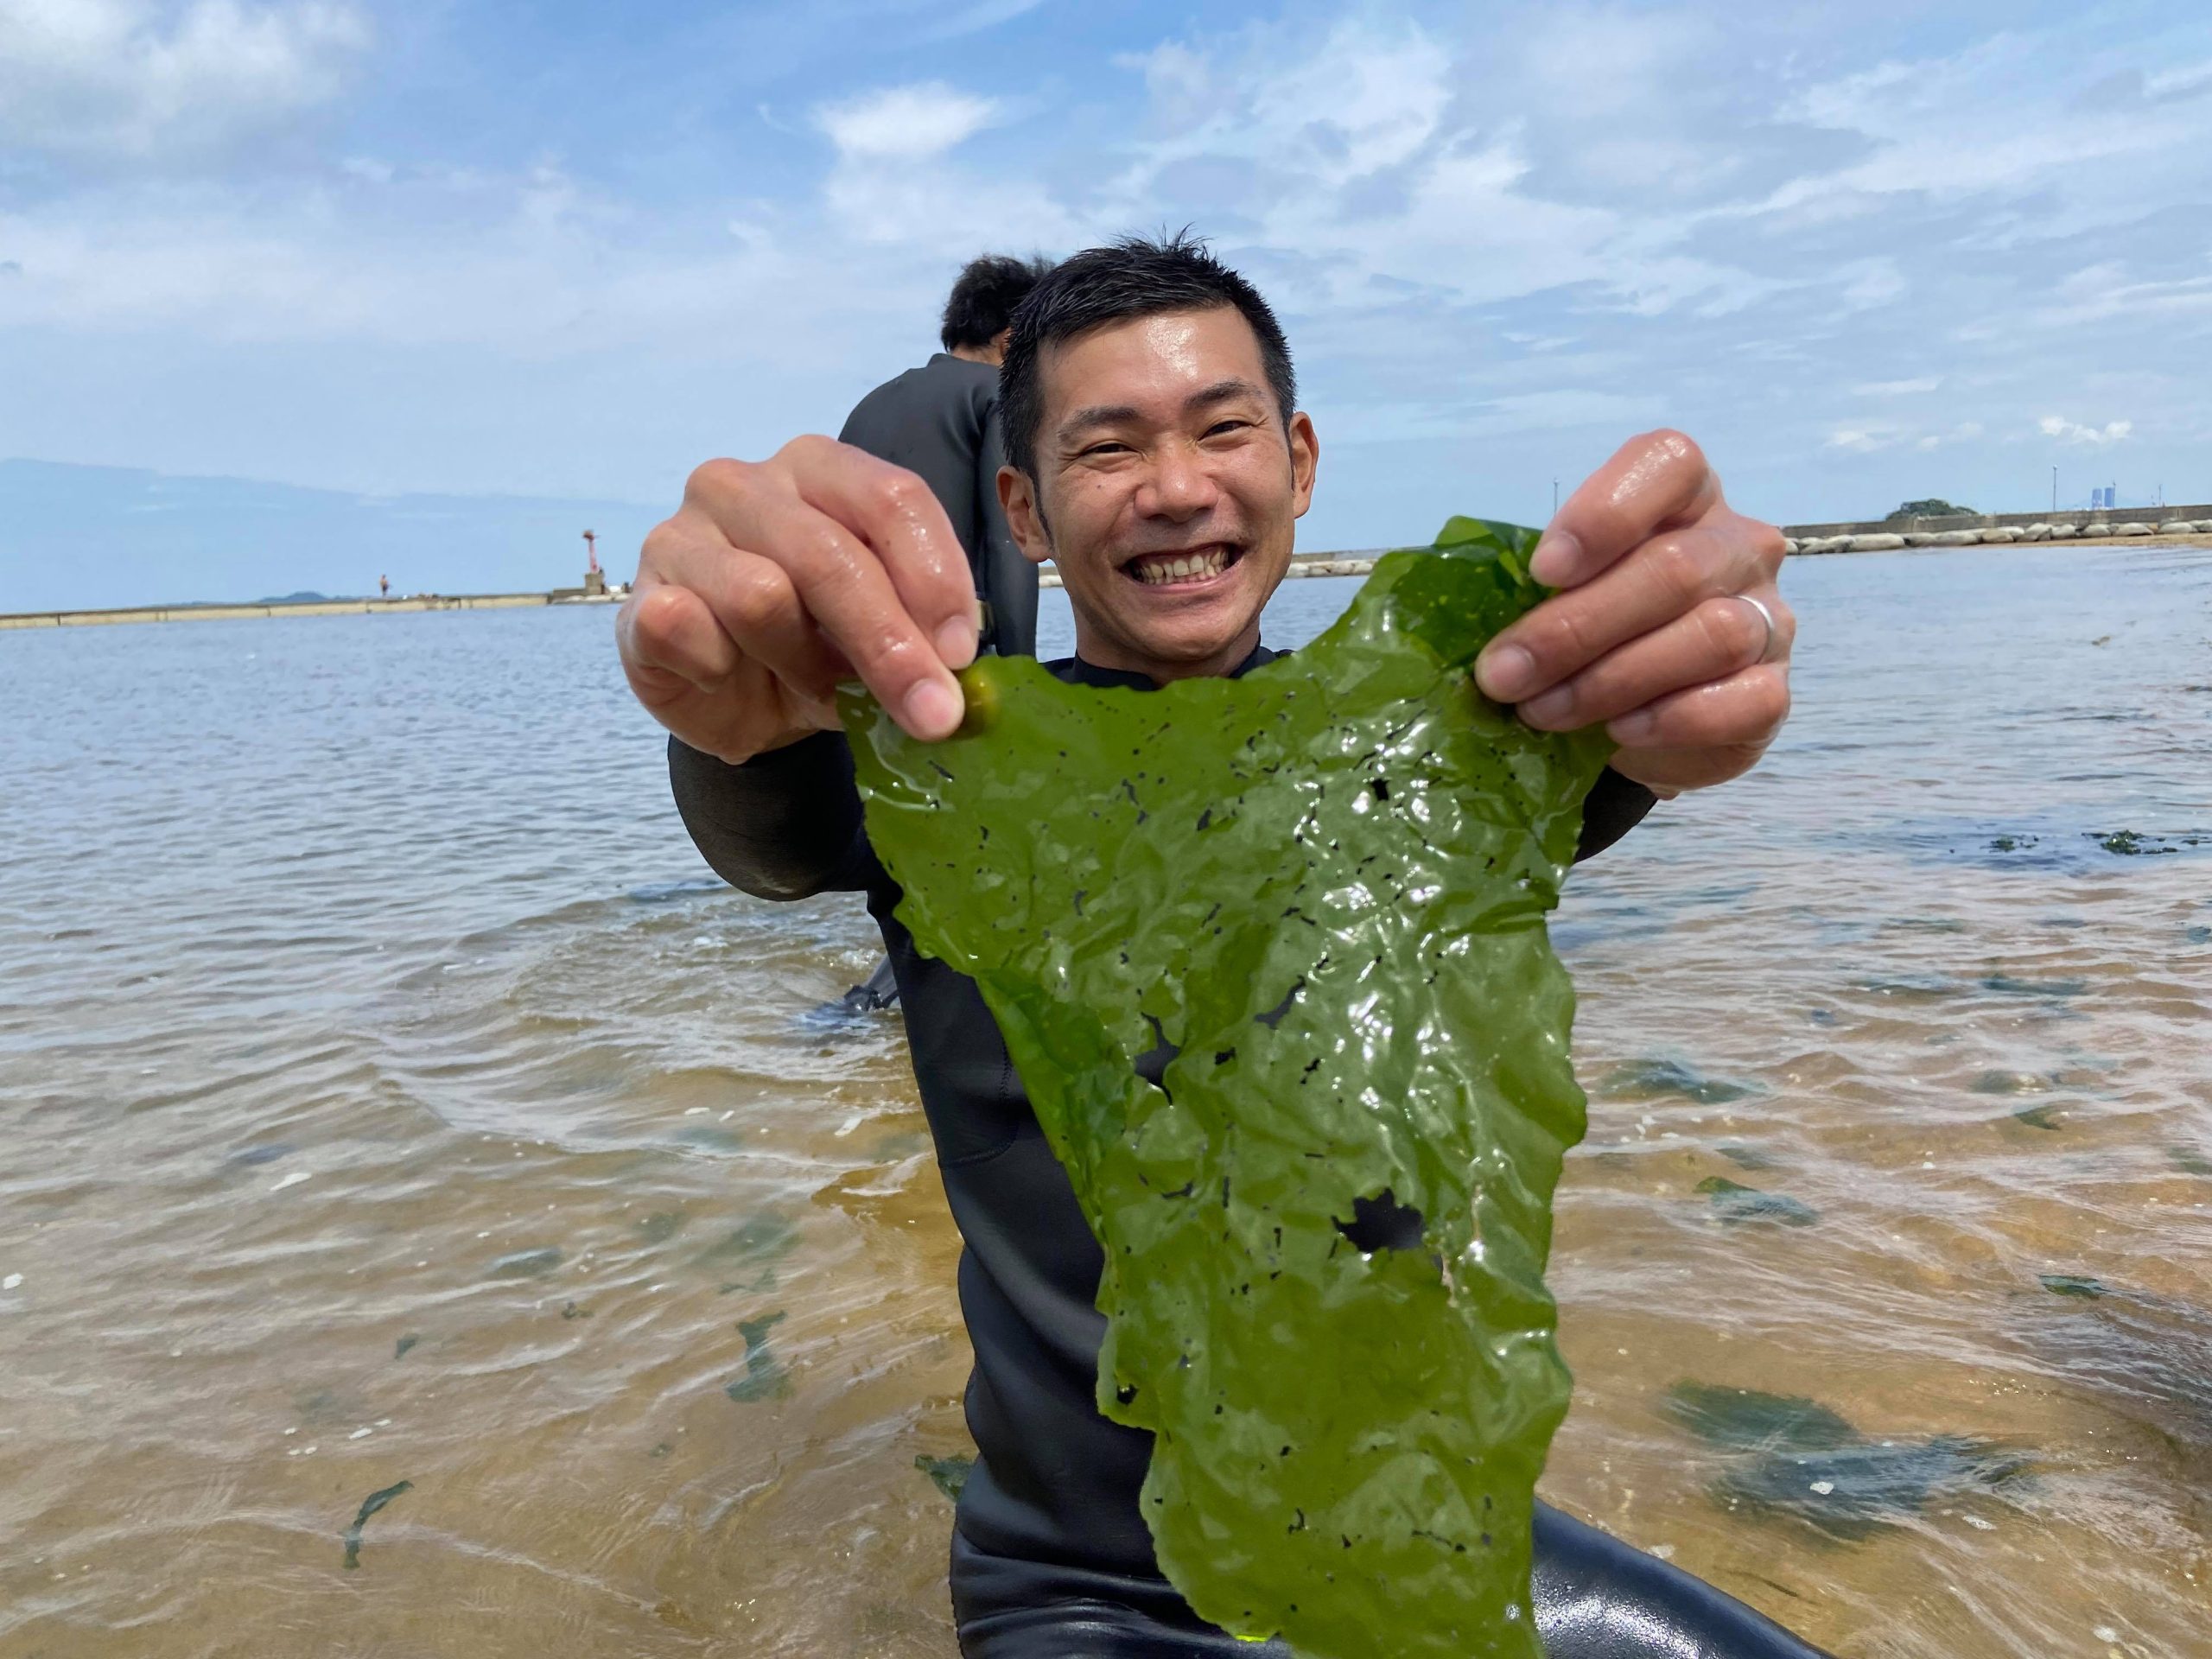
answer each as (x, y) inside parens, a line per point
(1317, 894)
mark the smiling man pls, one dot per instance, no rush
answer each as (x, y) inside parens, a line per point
(1157, 456)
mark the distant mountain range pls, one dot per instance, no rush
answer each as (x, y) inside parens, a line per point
(97, 538)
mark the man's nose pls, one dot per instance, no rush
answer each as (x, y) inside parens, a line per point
(1178, 485)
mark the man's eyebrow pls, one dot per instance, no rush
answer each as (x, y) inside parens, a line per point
(1096, 415)
(1221, 391)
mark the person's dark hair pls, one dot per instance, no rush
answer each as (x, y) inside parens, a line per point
(1133, 278)
(983, 298)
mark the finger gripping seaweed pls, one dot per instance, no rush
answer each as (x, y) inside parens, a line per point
(1311, 903)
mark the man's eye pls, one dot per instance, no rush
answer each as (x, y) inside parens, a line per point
(1220, 427)
(1107, 450)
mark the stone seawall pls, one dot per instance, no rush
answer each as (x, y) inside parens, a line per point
(1875, 536)
(1998, 528)
(309, 608)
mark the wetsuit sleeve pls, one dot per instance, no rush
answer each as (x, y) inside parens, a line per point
(1616, 805)
(786, 824)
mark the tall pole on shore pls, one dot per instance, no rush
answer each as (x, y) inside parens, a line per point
(1554, 498)
(2054, 489)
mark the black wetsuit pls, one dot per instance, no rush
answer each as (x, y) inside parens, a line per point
(1051, 1557)
(941, 421)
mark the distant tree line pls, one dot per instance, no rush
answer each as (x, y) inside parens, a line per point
(1934, 507)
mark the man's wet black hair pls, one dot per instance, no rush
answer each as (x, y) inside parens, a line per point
(983, 299)
(1133, 277)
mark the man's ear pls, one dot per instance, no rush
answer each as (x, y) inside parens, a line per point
(1304, 462)
(1024, 519)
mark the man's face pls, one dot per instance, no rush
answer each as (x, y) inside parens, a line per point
(1167, 489)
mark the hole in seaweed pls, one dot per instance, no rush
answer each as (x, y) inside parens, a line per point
(1382, 1224)
(1126, 1393)
(1381, 787)
(1151, 1065)
(1274, 1017)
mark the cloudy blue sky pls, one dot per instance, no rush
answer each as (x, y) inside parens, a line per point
(410, 253)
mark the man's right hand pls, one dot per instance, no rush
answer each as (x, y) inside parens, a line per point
(776, 580)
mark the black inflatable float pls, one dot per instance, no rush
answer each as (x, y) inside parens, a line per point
(1595, 1597)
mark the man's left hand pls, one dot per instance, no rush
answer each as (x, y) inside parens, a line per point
(1651, 631)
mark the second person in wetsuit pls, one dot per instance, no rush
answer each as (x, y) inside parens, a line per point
(940, 422)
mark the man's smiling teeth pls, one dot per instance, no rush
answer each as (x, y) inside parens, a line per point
(1157, 567)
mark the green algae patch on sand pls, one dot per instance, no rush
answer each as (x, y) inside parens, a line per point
(1269, 955)
(370, 1505)
(2072, 1284)
(949, 1475)
(1786, 1455)
(1733, 1203)
(1658, 1079)
(527, 1264)
(764, 1377)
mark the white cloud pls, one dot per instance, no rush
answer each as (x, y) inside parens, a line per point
(1872, 436)
(904, 124)
(2184, 81)
(1928, 135)
(2102, 290)
(2066, 431)
(1533, 411)
(974, 19)
(1383, 153)
(1370, 95)
(1873, 282)
(1897, 388)
(1959, 433)
(895, 188)
(1864, 439)
(129, 79)
(526, 263)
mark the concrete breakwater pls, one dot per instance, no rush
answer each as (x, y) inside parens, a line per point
(1998, 528)
(311, 607)
(1877, 536)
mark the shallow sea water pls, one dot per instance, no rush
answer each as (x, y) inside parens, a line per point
(390, 1094)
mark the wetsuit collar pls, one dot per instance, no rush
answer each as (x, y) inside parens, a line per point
(1076, 672)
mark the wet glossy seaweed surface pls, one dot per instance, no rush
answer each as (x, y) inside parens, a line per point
(1317, 894)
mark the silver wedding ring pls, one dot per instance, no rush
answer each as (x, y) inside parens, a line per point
(1765, 616)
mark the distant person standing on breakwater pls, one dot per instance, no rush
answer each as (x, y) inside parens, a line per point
(384, 587)
(941, 422)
